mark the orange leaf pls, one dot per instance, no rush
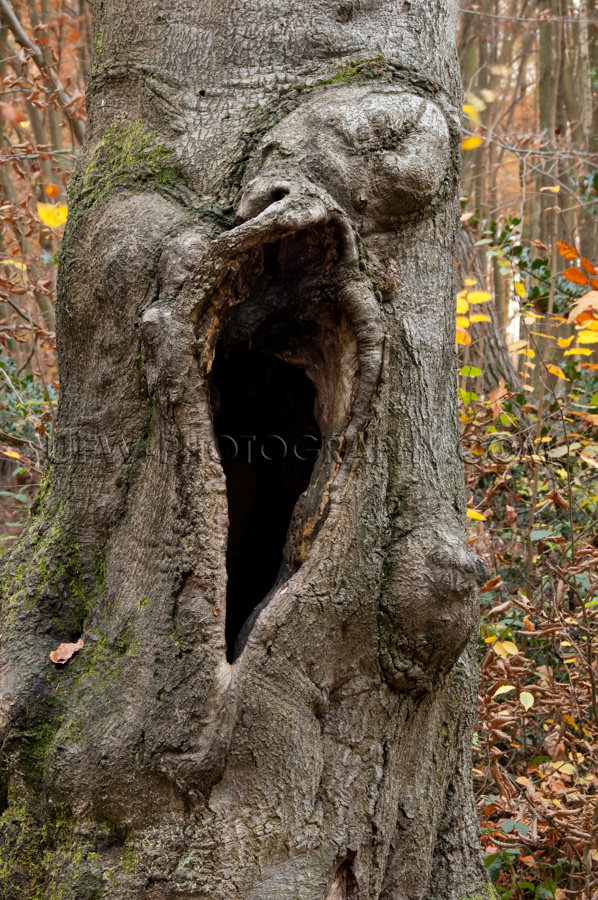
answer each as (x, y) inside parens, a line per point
(52, 190)
(588, 301)
(64, 652)
(587, 266)
(490, 584)
(567, 250)
(575, 276)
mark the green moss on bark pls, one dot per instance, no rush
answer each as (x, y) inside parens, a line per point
(39, 861)
(127, 156)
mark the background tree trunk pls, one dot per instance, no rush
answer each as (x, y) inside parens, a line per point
(263, 218)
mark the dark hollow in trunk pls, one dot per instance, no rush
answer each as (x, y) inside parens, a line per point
(268, 439)
(273, 383)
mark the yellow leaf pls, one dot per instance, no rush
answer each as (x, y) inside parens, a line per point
(12, 453)
(470, 143)
(463, 306)
(475, 101)
(52, 216)
(519, 289)
(516, 345)
(556, 370)
(526, 699)
(479, 296)
(504, 689)
(581, 351)
(505, 648)
(588, 337)
(463, 337)
(462, 322)
(553, 190)
(15, 262)
(527, 352)
(474, 514)
(562, 768)
(472, 113)
(479, 317)
(564, 342)
(470, 282)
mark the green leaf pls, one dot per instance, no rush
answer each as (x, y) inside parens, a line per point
(526, 699)
(473, 372)
(540, 534)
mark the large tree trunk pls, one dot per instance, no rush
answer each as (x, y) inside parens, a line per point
(260, 249)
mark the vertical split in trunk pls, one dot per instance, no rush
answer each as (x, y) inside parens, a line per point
(268, 439)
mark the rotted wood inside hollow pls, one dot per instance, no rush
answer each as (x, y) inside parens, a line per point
(283, 380)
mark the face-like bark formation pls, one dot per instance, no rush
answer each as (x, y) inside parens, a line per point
(274, 696)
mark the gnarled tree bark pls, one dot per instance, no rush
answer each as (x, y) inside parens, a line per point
(262, 228)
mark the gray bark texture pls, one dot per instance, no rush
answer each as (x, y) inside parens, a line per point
(271, 177)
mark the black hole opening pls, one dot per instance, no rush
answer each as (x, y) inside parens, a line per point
(268, 440)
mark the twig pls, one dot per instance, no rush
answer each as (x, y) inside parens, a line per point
(22, 38)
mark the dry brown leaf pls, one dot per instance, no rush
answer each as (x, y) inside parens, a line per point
(558, 499)
(64, 652)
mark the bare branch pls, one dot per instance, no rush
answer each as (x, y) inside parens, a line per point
(9, 18)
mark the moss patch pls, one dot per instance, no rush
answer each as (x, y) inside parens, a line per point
(127, 156)
(38, 861)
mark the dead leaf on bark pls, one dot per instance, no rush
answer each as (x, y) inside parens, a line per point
(64, 652)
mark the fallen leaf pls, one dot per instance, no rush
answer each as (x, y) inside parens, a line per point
(64, 652)
(504, 689)
(526, 699)
(505, 648)
(558, 499)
